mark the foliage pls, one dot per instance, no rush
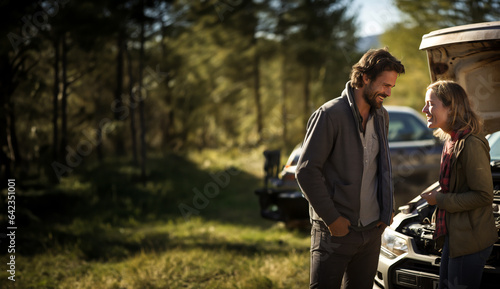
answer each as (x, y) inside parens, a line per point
(105, 229)
(211, 74)
(410, 87)
(417, 19)
(217, 82)
(446, 13)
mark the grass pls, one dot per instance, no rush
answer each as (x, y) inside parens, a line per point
(102, 228)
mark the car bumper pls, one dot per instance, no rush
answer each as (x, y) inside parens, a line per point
(414, 270)
(409, 270)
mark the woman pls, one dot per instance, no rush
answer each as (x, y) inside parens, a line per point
(465, 227)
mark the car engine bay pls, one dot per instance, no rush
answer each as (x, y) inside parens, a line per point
(418, 222)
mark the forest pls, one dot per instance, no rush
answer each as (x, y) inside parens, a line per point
(88, 79)
(132, 132)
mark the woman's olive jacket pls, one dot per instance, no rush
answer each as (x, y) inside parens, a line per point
(468, 205)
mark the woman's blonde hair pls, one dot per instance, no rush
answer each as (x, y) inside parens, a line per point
(461, 114)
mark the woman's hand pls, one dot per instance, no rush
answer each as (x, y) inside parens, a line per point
(430, 197)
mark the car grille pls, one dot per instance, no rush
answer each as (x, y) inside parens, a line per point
(406, 278)
(415, 279)
(412, 273)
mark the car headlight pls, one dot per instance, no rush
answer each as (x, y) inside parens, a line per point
(392, 244)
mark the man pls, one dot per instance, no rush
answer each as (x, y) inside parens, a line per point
(345, 173)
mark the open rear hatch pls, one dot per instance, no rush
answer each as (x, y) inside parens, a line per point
(469, 55)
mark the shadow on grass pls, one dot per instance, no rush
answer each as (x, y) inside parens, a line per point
(91, 209)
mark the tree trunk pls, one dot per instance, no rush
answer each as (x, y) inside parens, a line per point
(6, 157)
(284, 93)
(55, 102)
(169, 118)
(132, 106)
(9, 116)
(141, 99)
(119, 75)
(100, 153)
(12, 135)
(10, 71)
(258, 104)
(307, 93)
(64, 97)
(119, 143)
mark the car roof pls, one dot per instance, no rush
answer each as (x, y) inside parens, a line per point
(389, 108)
(464, 33)
(399, 108)
(404, 109)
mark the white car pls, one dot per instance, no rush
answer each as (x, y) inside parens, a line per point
(469, 55)
(408, 258)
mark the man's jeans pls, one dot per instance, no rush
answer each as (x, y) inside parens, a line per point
(464, 271)
(353, 258)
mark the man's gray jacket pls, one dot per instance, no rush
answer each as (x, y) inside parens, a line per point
(330, 167)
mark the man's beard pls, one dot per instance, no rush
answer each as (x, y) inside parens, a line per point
(371, 96)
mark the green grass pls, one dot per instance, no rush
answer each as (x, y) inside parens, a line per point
(102, 228)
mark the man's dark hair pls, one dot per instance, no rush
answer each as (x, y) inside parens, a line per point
(374, 62)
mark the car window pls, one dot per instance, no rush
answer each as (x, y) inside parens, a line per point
(494, 141)
(407, 127)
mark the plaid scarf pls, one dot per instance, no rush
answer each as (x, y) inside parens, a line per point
(444, 179)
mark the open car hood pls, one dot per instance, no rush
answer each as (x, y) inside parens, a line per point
(469, 55)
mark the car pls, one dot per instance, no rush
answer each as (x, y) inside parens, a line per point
(415, 157)
(415, 153)
(281, 199)
(408, 258)
(467, 54)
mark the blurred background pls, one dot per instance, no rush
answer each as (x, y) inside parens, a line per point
(134, 130)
